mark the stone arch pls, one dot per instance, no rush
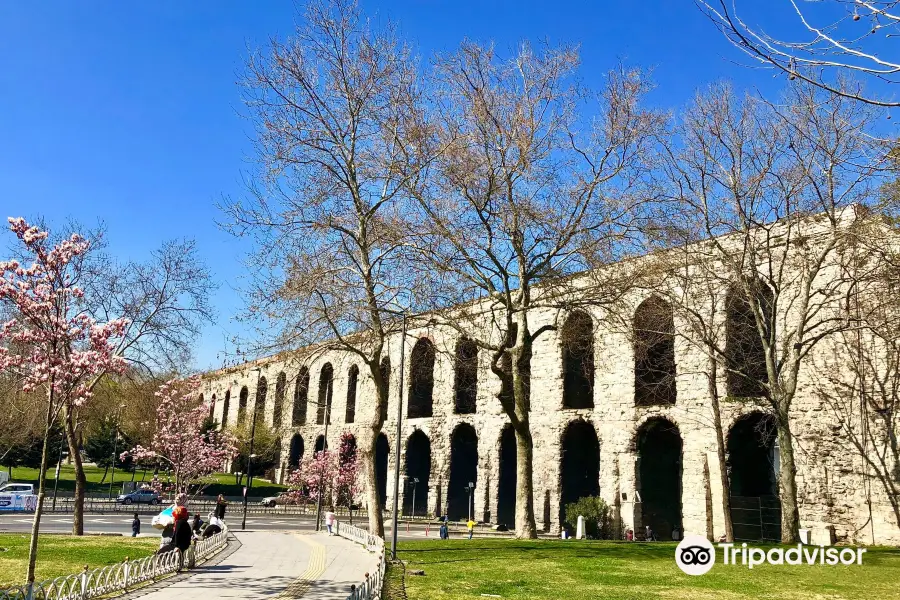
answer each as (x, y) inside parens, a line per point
(295, 454)
(352, 384)
(506, 488)
(262, 389)
(280, 384)
(321, 444)
(658, 446)
(301, 398)
(654, 353)
(326, 385)
(580, 464)
(421, 379)
(577, 339)
(744, 352)
(463, 470)
(212, 409)
(418, 466)
(752, 456)
(382, 452)
(225, 407)
(465, 382)
(385, 368)
(242, 405)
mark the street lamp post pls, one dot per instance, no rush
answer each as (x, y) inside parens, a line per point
(470, 488)
(396, 510)
(58, 466)
(415, 482)
(324, 448)
(250, 454)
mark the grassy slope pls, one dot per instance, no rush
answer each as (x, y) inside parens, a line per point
(581, 570)
(66, 555)
(220, 483)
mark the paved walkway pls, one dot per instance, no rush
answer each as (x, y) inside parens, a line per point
(270, 564)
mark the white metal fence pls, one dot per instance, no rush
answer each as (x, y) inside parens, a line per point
(370, 587)
(119, 577)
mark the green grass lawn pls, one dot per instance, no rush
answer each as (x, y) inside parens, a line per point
(220, 483)
(549, 569)
(65, 554)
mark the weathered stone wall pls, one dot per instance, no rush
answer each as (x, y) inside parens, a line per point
(833, 489)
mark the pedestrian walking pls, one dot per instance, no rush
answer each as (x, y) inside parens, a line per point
(330, 518)
(183, 534)
(471, 526)
(445, 530)
(221, 503)
(136, 526)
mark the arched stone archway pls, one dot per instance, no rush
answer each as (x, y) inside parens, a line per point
(659, 467)
(745, 354)
(421, 379)
(225, 407)
(278, 408)
(752, 456)
(465, 381)
(418, 467)
(295, 454)
(242, 405)
(326, 390)
(463, 471)
(262, 389)
(382, 451)
(577, 339)
(321, 444)
(301, 398)
(506, 488)
(385, 368)
(352, 384)
(580, 465)
(654, 353)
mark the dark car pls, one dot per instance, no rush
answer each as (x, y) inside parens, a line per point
(139, 497)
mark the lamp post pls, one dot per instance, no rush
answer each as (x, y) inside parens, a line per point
(324, 448)
(394, 513)
(58, 466)
(250, 454)
(415, 482)
(470, 488)
(115, 448)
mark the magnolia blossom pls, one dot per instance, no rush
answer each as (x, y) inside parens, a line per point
(336, 475)
(179, 439)
(49, 342)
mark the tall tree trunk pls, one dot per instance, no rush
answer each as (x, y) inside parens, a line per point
(80, 478)
(39, 509)
(720, 449)
(521, 368)
(370, 480)
(787, 481)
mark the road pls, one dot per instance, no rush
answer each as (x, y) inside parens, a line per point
(120, 523)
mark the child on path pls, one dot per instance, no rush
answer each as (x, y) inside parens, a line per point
(329, 521)
(136, 526)
(471, 526)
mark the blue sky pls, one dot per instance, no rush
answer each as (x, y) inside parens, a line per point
(129, 112)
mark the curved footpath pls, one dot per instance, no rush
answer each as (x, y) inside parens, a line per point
(269, 564)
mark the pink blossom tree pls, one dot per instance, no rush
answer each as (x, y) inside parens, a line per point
(180, 441)
(48, 341)
(347, 484)
(319, 473)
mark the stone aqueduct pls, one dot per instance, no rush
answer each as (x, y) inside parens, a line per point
(603, 421)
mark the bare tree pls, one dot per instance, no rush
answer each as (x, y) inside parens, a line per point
(525, 191)
(333, 109)
(832, 38)
(767, 197)
(164, 302)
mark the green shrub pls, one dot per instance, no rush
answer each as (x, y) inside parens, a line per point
(597, 518)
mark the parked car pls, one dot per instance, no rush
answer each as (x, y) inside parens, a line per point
(280, 499)
(139, 497)
(17, 488)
